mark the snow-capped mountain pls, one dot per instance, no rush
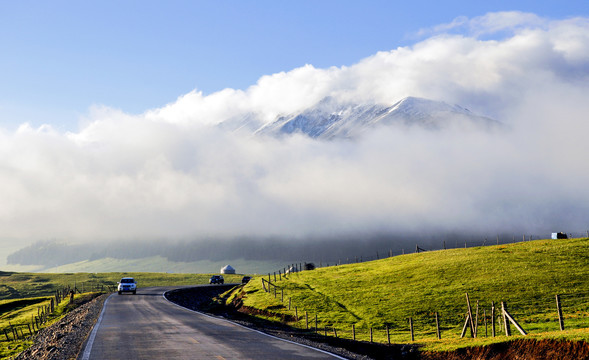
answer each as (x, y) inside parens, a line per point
(332, 119)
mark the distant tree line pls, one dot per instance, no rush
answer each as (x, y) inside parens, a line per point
(50, 253)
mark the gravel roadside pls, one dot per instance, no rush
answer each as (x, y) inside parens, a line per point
(64, 339)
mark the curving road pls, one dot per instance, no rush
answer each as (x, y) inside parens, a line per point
(147, 326)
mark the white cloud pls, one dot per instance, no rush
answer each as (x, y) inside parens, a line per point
(171, 172)
(489, 24)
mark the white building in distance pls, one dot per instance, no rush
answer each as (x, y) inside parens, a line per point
(228, 270)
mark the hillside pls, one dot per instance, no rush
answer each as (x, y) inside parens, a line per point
(388, 292)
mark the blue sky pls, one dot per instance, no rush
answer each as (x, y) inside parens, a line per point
(59, 58)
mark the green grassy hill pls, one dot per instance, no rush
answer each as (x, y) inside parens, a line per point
(388, 292)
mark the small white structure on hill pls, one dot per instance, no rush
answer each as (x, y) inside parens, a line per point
(227, 270)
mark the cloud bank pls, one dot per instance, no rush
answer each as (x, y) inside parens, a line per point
(173, 173)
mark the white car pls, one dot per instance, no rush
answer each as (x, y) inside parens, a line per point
(127, 284)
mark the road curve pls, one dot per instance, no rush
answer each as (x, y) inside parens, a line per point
(147, 326)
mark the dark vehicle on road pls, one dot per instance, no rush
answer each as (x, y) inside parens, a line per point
(216, 279)
(246, 279)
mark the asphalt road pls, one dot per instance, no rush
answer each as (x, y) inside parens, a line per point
(147, 326)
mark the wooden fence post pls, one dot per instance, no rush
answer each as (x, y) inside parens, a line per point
(353, 332)
(465, 326)
(316, 331)
(306, 320)
(485, 317)
(296, 314)
(334, 332)
(476, 321)
(289, 300)
(437, 327)
(471, 323)
(12, 330)
(411, 328)
(371, 334)
(493, 318)
(505, 321)
(388, 335)
(559, 309)
(512, 320)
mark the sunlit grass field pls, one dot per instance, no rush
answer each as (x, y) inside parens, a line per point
(526, 276)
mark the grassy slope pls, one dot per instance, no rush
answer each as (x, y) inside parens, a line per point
(387, 292)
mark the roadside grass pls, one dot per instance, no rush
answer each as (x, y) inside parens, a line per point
(388, 292)
(19, 313)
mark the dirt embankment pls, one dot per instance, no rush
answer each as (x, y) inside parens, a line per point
(521, 349)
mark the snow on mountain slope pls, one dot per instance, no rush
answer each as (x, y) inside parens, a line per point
(331, 119)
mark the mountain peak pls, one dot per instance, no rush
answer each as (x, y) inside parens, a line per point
(330, 118)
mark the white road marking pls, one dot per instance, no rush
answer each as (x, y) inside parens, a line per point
(90, 342)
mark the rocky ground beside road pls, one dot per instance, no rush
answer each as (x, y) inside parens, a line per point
(64, 339)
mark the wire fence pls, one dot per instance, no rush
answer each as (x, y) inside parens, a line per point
(484, 318)
(443, 245)
(46, 307)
